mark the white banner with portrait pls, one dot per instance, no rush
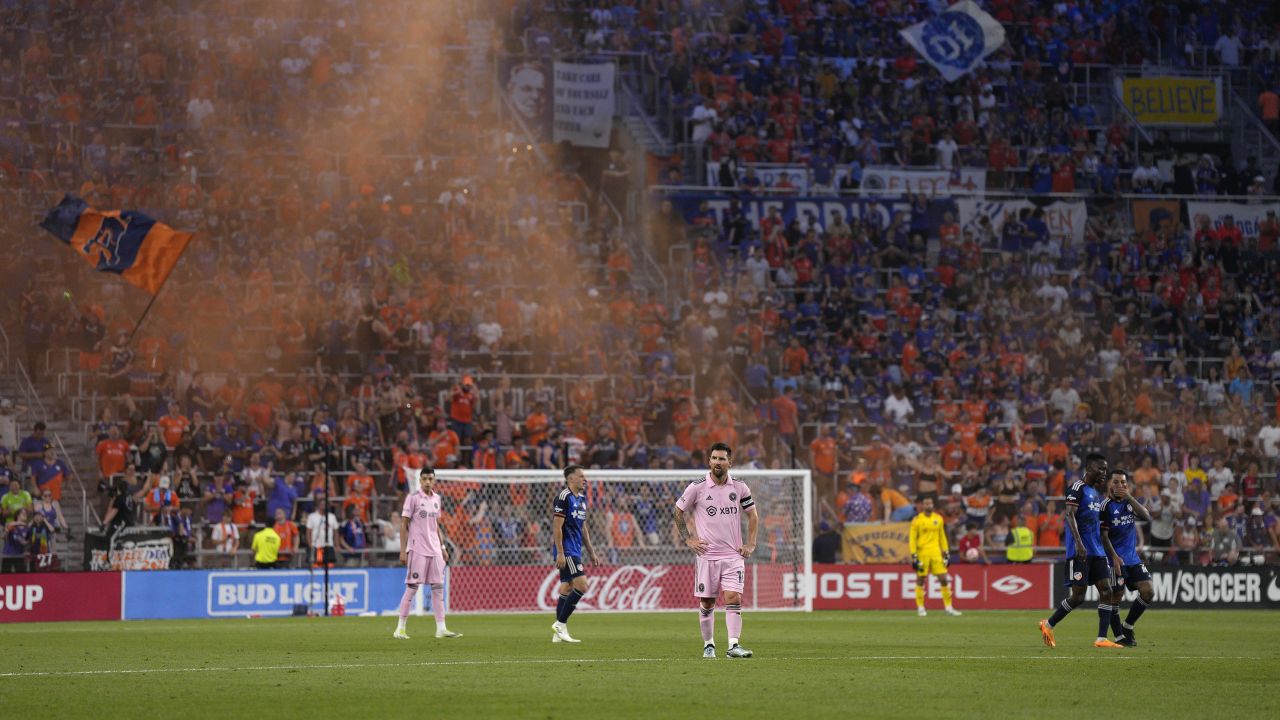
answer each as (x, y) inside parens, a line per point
(1065, 219)
(583, 104)
(1248, 217)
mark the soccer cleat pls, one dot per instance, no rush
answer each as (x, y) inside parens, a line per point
(737, 651)
(954, 612)
(1133, 639)
(400, 635)
(1105, 644)
(562, 633)
(922, 612)
(709, 651)
(446, 633)
(1127, 641)
(1046, 633)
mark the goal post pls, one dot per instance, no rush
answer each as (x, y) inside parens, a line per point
(498, 527)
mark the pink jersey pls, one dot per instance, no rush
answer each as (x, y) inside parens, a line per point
(423, 511)
(717, 514)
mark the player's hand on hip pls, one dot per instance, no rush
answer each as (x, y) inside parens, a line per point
(561, 561)
(698, 544)
(746, 550)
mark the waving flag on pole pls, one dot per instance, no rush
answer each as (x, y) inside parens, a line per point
(957, 40)
(124, 242)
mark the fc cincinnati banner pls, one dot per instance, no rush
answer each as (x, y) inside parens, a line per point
(583, 104)
(1065, 219)
(957, 40)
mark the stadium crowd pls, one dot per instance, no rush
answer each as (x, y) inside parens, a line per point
(834, 87)
(426, 291)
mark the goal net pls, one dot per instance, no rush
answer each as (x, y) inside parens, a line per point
(499, 532)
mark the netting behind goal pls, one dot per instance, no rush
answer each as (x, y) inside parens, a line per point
(499, 528)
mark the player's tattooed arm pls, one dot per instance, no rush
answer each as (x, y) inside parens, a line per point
(682, 526)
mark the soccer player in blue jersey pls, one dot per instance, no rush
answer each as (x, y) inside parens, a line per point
(569, 535)
(1087, 562)
(1120, 517)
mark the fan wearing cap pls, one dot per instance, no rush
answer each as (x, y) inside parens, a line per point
(161, 495)
(324, 449)
(49, 472)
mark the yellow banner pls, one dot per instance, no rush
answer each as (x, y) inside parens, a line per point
(877, 543)
(1172, 100)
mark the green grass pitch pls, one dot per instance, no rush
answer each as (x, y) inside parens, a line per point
(1194, 664)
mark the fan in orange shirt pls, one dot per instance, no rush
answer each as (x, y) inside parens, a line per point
(173, 425)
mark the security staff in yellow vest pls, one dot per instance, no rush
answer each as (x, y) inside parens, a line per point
(1021, 542)
(266, 548)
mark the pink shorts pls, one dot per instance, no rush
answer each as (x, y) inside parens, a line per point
(424, 569)
(710, 577)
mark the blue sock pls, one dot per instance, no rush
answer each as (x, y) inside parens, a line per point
(560, 616)
(1104, 619)
(1115, 622)
(571, 603)
(1059, 613)
(1138, 607)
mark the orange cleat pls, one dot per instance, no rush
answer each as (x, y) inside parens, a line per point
(1106, 644)
(1046, 632)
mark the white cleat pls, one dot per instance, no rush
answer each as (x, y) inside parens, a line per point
(709, 651)
(954, 612)
(922, 612)
(446, 633)
(400, 635)
(561, 634)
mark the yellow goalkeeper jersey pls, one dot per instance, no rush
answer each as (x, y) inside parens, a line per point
(928, 535)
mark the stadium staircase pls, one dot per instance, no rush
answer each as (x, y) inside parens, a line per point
(73, 447)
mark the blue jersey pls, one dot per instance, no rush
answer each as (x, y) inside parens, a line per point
(1121, 525)
(573, 508)
(1088, 518)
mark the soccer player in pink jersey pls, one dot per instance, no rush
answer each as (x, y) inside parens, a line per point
(422, 549)
(716, 503)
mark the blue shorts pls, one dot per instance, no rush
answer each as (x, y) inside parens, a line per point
(1132, 575)
(1086, 571)
(572, 568)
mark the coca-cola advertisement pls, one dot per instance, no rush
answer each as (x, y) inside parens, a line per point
(893, 587)
(535, 588)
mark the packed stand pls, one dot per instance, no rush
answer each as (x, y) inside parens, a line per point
(834, 88)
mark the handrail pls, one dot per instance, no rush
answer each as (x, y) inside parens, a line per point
(1259, 125)
(1133, 120)
(36, 404)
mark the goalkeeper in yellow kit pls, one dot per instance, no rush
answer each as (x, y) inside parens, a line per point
(930, 555)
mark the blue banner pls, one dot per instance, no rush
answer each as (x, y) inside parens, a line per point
(172, 594)
(875, 211)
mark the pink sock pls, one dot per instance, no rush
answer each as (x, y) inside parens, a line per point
(406, 602)
(707, 621)
(437, 603)
(733, 620)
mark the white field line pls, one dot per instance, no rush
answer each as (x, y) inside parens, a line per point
(594, 661)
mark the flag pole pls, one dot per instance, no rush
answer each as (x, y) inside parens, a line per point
(151, 302)
(144, 315)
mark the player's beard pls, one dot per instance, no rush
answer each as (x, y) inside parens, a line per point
(718, 473)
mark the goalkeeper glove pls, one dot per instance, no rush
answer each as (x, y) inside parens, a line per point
(946, 558)
(915, 563)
